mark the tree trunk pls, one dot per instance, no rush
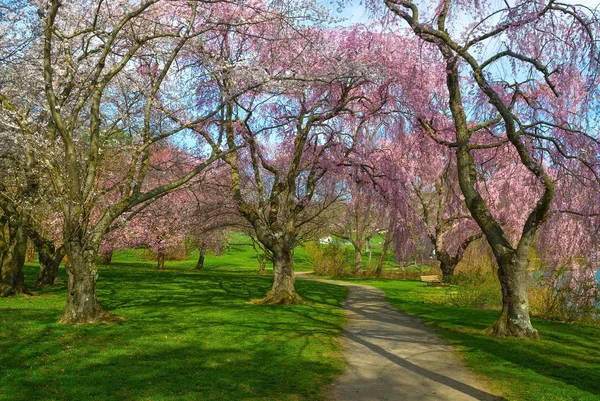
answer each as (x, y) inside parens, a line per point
(514, 320)
(13, 260)
(82, 304)
(202, 253)
(262, 266)
(107, 257)
(358, 260)
(50, 260)
(30, 254)
(262, 260)
(3, 241)
(283, 291)
(447, 269)
(161, 261)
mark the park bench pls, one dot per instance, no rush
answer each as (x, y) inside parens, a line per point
(431, 279)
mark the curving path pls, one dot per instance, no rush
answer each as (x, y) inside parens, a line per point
(394, 357)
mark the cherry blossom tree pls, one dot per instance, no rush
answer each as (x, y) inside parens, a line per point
(104, 95)
(519, 75)
(300, 120)
(364, 216)
(437, 203)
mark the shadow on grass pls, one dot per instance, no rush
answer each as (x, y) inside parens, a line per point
(564, 364)
(189, 335)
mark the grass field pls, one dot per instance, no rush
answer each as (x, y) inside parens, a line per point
(188, 336)
(563, 365)
(195, 336)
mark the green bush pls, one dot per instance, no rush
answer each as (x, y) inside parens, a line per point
(475, 289)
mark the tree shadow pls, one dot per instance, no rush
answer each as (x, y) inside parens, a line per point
(189, 335)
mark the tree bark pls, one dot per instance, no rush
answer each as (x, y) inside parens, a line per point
(514, 320)
(3, 241)
(201, 254)
(30, 254)
(13, 260)
(283, 291)
(50, 260)
(107, 256)
(82, 304)
(161, 261)
(447, 269)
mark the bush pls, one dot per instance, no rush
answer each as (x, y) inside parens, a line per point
(475, 289)
(569, 292)
(329, 259)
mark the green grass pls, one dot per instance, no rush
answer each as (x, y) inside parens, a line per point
(563, 365)
(188, 336)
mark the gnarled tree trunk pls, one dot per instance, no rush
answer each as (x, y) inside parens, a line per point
(82, 304)
(50, 260)
(283, 290)
(514, 320)
(13, 259)
(447, 268)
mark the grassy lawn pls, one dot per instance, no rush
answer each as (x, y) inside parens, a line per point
(563, 365)
(189, 336)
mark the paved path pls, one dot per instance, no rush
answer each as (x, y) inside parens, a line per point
(394, 357)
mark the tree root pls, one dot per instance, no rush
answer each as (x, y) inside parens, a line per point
(504, 329)
(279, 298)
(101, 316)
(10, 291)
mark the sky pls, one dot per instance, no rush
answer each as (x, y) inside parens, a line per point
(355, 12)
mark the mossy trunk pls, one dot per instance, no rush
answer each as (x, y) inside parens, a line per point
(82, 304)
(13, 258)
(50, 259)
(283, 290)
(514, 320)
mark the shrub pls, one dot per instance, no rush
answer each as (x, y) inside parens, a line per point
(475, 289)
(569, 292)
(328, 259)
